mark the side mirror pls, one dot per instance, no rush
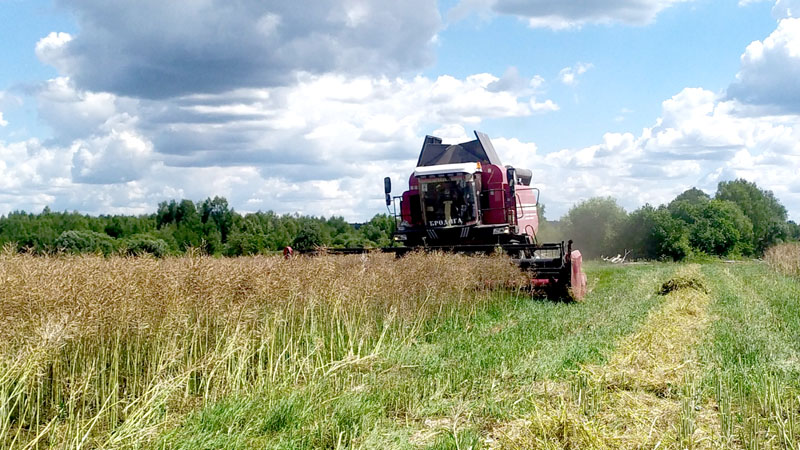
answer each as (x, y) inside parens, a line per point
(511, 174)
(387, 188)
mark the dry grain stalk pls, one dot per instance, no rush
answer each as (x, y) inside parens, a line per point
(101, 352)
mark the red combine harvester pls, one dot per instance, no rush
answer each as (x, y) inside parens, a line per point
(461, 198)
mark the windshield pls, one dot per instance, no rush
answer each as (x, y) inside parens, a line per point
(448, 201)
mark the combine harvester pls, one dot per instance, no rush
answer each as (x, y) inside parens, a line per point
(462, 199)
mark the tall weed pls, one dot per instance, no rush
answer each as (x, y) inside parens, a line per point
(784, 258)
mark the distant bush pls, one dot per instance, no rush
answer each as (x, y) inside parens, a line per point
(765, 213)
(652, 233)
(81, 241)
(309, 236)
(144, 244)
(244, 244)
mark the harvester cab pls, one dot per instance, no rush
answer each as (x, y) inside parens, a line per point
(462, 198)
(462, 194)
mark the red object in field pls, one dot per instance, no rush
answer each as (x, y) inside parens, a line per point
(287, 252)
(578, 277)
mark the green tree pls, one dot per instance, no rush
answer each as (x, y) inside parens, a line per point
(765, 212)
(165, 214)
(216, 211)
(212, 239)
(248, 237)
(688, 205)
(671, 236)
(722, 229)
(309, 236)
(693, 196)
(652, 233)
(378, 231)
(279, 236)
(594, 225)
(187, 230)
(242, 243)
(337, 226)
(794, 230)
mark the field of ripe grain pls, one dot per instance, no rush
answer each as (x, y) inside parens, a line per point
(423, 352)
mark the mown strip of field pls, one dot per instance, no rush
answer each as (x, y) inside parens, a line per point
(446, 387)
(642, 396)
(714, 366)
(752, 356)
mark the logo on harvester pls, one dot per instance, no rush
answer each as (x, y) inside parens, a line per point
(445, 223)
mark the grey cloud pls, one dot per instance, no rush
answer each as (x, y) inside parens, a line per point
(510, 81)
(560, 14)
(9, 100)
(156, 49)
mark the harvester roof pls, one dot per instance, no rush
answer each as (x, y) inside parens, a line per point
(435, 153)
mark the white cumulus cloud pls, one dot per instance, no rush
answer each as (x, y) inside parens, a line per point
(50, 49)
(115, 158)
(569, 75)
(770, 70)
(333, 132)
(323, 147)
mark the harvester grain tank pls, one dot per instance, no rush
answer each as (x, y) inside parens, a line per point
(462, 198)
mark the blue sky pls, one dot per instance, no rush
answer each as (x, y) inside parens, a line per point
(114, 107)
(696, 44)
(23, 24)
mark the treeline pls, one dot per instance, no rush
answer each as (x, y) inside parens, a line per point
(210, 226)
(740, 220)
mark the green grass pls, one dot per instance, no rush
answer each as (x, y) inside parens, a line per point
(752, 355)
(443, 387)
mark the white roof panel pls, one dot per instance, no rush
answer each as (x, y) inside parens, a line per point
(440, 169)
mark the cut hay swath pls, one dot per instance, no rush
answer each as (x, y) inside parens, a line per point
(643, 397)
